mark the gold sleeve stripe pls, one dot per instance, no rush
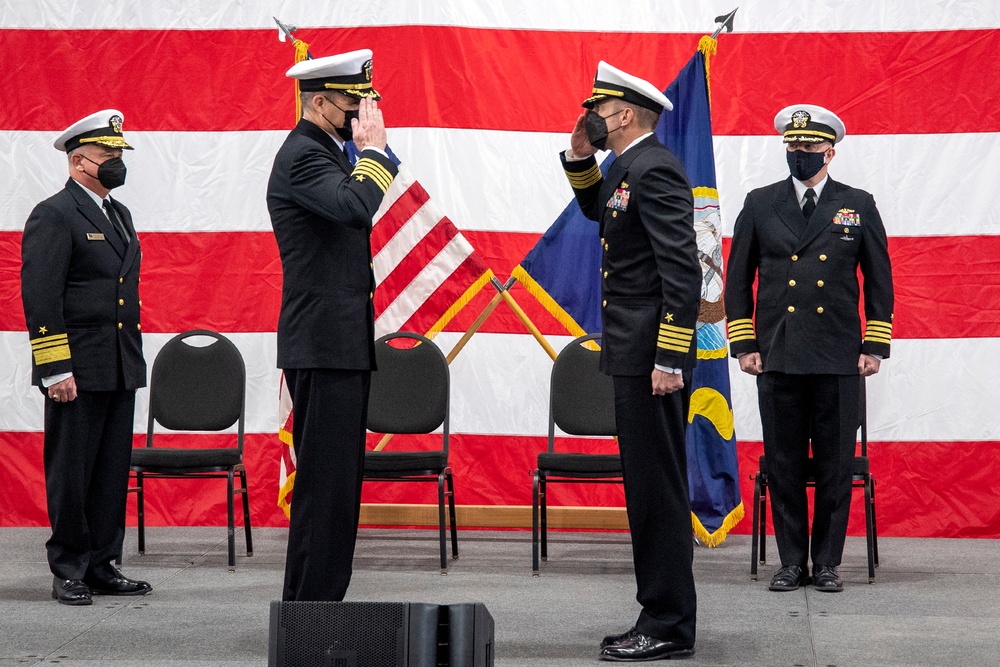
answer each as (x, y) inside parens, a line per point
(880, 326)
(49, 339)
(585, 179)
(740, 321)
(376, 171)
(679, 340)
(876, 338)
(674, 348)
(671, 327)
(740, 329)
(741, 337)
(49, 355)
(45, 346)
(361, 173)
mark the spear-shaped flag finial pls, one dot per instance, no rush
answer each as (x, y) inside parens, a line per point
(725, 22)
(285, 30)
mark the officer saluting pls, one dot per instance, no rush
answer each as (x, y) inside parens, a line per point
(80, 288)
(803, 239)
(651, 290)
(321, 210)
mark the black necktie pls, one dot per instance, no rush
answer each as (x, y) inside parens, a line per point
(116, 222)
(810, 205)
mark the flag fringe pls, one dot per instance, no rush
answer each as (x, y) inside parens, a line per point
(460, 303)
(301, 53)
(285, 436)
(712, 540)
(713, 354)
(284, 492)
(550, 304)
(708, 47)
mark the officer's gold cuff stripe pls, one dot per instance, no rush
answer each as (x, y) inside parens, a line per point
(48, 339)
(580, 180)
(45, 346)
(741, 328)
(884, 326)
(49, 355)
(741, 337)
(878, 339)
(671, 327)
(375, 171)
(680, 340)
(376, 178)
(675, 348)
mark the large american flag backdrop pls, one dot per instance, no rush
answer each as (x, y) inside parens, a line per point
(479, 97)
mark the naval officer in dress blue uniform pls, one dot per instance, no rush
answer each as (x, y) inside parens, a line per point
(803, 240)
(651, 291)
(80, 287)
(321, 210)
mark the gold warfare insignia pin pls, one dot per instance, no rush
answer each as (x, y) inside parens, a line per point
(800, 119)
(368, 70)
(116, 124)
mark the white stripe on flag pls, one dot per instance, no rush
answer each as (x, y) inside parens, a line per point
(589, 15)
(406, 239)
(218, 179)
(430, 278)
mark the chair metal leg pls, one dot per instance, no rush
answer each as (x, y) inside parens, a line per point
(754, 525)
(230, 528)
(140, 499)
(441, 532)
(543, 493)
(246, 511)
(874, 523)
(869, 529)
(763, 520)
(451, 514)
(534, 524)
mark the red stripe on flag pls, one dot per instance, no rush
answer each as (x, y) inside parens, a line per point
(946, 286)
(489, 471)
(878, 82)
(405, 206)
(409, 267)
(445, 296)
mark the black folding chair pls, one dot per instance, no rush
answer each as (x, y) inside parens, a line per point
(196, 388)
(410, 394)
(581, 402)
(862, 478)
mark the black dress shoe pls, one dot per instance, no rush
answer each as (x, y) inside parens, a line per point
(617, 639)
(71, 591)
(638, 647)
(826, 579)
(107, 580)
(789, 578)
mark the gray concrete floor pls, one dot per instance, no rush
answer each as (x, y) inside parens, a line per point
(936, 602)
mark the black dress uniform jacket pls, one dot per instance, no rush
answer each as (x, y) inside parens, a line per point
(807, 319)
(651, 285)
(321, 210)
(80, 288)
(651, 278)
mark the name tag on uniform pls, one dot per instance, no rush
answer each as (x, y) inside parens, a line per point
(95, 237)
(619, 200)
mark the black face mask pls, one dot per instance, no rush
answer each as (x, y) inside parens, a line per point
(111, 172)
(346, 132)
(597, 129)
(804, 165)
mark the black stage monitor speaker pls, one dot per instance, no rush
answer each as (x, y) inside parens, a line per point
(379, 634)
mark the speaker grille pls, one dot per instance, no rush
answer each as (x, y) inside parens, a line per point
(374, 631)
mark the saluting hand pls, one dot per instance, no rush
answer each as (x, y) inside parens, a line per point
(368, 127)
(579, 145)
